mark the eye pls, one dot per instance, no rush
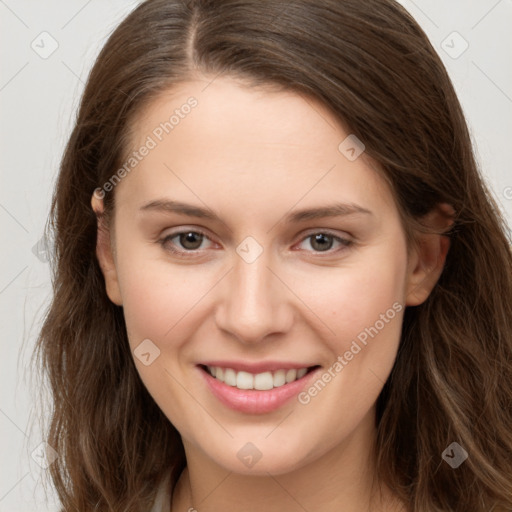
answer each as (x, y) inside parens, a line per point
(322, 241)
(190, 240)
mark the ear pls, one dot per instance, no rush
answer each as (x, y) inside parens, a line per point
(104, 253)
(428, 255)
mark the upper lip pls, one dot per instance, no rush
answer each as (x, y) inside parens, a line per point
(264, 366)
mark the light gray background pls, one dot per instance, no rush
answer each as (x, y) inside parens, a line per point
(38, 100)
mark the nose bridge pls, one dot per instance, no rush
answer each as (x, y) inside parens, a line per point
(254, 303)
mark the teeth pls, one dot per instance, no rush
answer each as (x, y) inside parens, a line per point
(301, 373)
(229, 377)
(291, 375)
(279, 378)
(244, 380)
(264, 381)
(261, 381)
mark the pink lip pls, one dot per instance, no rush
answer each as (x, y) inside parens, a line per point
(252, 401)
(268, 366)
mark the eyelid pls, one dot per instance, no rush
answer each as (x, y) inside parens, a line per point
(325, 231)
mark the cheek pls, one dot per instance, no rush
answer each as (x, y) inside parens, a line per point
(160, 304)
(353, 298)
(163, 301)
(157, 297)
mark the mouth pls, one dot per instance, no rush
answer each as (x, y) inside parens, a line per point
(256, 393)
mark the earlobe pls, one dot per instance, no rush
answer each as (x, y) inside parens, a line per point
(428, 255)
(104, 253)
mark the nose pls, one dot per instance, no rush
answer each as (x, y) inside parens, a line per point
(255, 302)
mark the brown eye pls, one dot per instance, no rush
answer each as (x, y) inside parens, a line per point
(184, 242)
(321, 241)
(190, 240)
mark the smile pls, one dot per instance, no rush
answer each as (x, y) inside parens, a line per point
(256, 393)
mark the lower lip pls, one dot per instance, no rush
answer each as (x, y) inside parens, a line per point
(253, 401)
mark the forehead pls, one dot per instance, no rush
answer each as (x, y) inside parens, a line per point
(222, 139)
(239, 114)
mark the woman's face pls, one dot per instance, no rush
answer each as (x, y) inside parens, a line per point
(296, 259)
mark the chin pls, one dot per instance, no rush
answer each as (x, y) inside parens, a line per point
(260, 458)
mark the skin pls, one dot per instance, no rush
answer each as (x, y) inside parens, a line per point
(252, 156)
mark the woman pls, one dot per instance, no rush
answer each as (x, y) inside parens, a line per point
(337, 336)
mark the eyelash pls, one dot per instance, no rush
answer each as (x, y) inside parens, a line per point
(191, 253)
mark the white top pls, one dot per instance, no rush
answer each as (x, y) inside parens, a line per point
(163, 499)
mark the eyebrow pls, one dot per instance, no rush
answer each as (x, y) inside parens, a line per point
(332, 210)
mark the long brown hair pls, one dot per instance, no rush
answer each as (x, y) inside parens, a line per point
(371, 64)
